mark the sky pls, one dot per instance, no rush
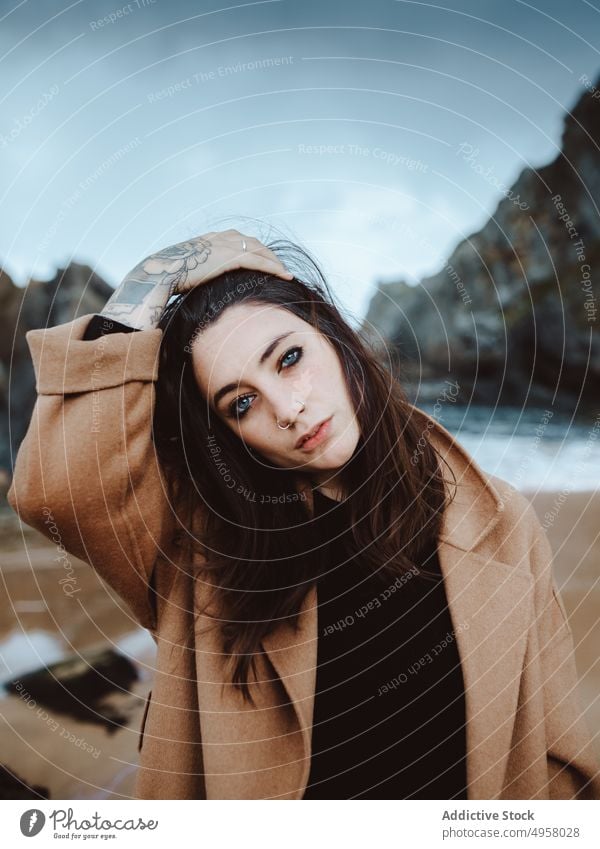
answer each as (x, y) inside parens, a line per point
(126, 127)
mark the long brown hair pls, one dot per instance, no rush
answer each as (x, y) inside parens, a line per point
(256, 540)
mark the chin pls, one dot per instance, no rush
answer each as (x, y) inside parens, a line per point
(334, 459)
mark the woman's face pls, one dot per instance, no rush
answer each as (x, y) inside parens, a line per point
(252, 376)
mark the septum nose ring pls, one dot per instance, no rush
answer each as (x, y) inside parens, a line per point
(289, 423)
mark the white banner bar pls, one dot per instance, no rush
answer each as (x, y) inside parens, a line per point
(258, 824)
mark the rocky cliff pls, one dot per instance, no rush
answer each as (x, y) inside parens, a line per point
(72, 292)
(512, 317)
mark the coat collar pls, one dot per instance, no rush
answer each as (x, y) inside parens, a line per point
(490, 606)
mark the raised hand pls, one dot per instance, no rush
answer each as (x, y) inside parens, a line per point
(141, 297)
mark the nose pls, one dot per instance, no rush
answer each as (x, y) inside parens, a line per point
(287, 416)
(286, 407)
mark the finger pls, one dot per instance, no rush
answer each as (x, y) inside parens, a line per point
(254, 246)
(270, 255)
(259, 262)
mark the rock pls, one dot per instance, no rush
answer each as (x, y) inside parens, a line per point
(12, 786)
(511, 315)
(74, 291)
(88, 688)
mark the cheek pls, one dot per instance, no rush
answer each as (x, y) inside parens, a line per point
(329, 378)
(322, 376)
(257, 435)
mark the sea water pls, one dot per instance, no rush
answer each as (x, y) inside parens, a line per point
(533, 449)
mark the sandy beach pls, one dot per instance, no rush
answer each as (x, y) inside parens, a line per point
(48, 744)
(46, 741)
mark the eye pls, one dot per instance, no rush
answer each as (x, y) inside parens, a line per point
(235, 412)
(297, 349)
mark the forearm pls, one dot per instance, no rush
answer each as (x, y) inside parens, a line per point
(140, 299)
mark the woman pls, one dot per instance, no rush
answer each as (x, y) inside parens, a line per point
(344, 604)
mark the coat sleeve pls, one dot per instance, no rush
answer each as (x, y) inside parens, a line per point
(86, 474)
(573, 770)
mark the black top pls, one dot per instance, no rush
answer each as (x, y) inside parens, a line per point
(389, 715)
(100, 325)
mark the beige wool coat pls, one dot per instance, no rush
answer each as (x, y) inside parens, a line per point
(88, 456)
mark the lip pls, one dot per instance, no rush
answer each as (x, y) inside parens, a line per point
(322, 431)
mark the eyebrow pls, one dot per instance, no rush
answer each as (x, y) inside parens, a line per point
(230, 387)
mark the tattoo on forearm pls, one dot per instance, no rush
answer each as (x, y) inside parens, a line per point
(132, 291)
(143, 294)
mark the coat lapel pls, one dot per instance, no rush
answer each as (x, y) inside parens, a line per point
(294, 658)
(490, 604)
(491, 607)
